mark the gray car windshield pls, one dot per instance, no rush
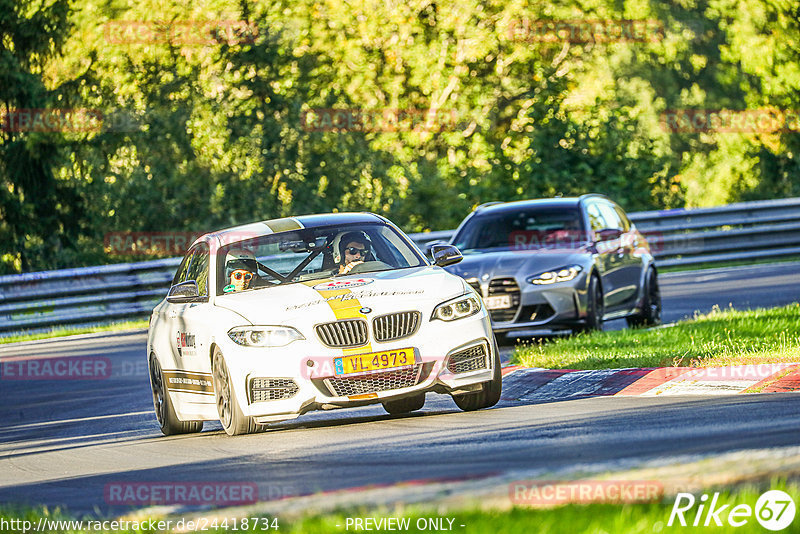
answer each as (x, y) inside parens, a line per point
(312, 254)
(522, 230)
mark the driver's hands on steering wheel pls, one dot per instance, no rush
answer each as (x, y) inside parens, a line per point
(349, 267)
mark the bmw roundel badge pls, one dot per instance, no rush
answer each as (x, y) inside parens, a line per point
(365, 310)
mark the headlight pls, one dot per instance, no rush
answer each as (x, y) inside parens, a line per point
(456, 309)
(264, 336)
(560, 275)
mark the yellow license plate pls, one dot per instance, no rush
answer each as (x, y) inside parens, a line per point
(374, 361)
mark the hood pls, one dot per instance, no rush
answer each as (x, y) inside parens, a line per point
(517, 264)
(418, 288)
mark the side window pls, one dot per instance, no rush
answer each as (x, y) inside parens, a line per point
(610, 216)
(198, 270)
(183, 269)
(596, 219)
(626, 223)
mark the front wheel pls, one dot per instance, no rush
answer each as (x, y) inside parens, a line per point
(490, 391)
(230, 414)
(651, 305)
(595, 308)
(165, 413)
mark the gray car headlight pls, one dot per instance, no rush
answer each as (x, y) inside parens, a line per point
(264, 336)
(565, 274)
(458, 308)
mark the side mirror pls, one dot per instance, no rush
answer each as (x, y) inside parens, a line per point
(444, 255)
(184, 292)
(428, 246)
(608, 234)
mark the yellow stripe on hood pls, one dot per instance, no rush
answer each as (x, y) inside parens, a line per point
(342, 309)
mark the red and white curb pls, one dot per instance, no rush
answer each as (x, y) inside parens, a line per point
(535, 384)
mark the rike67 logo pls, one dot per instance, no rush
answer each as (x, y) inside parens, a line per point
(774, 510)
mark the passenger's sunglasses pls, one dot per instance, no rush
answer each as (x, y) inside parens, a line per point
(354, 250)
(237, 275)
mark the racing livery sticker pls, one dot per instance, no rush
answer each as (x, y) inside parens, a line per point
(187, 382)
(343, 284)
(186, 344)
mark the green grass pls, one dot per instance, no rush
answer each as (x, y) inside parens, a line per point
(70, 331)
(639, 518)
(728, 337)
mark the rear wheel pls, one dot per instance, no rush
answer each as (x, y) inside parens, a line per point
(230, 414)
(595, 308)
(489, 393)
(165, 412)
(405, 405)
(651, 305)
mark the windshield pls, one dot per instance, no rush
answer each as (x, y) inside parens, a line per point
(531, 229)
(312, 254)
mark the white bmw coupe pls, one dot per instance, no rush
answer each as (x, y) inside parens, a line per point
(267, 321)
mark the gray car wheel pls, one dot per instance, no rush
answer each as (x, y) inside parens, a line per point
(595, 308)
(650, 315)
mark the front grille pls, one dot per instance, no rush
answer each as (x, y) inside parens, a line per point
(395, 325)
(384, 381)
(470, 359)
(504, 286)
(535, 313)
(267, 389)
(343, 334)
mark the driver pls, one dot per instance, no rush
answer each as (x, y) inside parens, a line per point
(354, 247)
(240, 270)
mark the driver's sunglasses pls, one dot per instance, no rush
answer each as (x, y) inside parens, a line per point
(237, 275)
(355, 250)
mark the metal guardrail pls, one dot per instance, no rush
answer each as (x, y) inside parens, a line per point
(95, 295)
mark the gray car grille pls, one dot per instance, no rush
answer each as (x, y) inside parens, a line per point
(343, 334)
(504, 286)
(395, 325)
(470, 359)
(383, 381)
(267, 389)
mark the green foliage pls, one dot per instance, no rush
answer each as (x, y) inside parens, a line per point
(209, 131)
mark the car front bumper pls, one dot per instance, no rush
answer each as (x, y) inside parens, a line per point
(545, 307)
(274, 384)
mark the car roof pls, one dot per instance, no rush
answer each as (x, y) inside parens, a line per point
(504, 207)
(285, 224)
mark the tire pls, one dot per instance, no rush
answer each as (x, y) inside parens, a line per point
(405, 405)
(165, 412)
(230, 413)
(490, 391)
(651, 304)
(595, 308)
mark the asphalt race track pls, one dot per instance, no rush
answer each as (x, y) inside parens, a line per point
(63, 442)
